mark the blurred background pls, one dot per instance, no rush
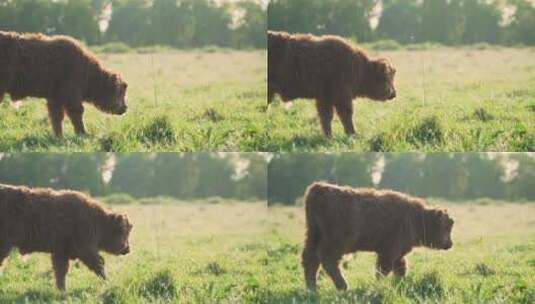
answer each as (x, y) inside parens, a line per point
(449, 176)
(188, 176)
(175, 23)
(450, 22)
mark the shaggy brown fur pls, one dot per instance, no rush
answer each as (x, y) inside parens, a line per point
(59, 69)
(67, 224)
(342, 220)
(328, 69)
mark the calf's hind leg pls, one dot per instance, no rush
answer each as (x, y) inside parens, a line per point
(400, 267)
(385, 264)
(5, 249)
(311, 264)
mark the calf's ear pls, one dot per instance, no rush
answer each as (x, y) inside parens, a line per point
(379, 66)
(444, 217)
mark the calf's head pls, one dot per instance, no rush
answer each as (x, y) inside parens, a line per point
(379, 80)
(438, 229)
(116, 234)
(112, 96)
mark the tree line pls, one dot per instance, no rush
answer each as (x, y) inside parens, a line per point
(455, 177)
(450, 22)
(175, 23)
(185, 176)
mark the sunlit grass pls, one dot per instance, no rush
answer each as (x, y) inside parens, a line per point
(185, 252)
(234, 252)
(493, 260)
(478, 100)
(182, 89)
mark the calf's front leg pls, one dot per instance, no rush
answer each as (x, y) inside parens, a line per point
(75, 111)
(60, 263)
(56, 115)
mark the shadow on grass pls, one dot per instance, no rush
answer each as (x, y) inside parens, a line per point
(426, 132)
(40, 141)
(158, 131)
(299, 143)
(361, 294)
(48, 295)
(422, 287)
(160, 287)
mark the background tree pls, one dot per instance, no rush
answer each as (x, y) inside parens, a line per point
(449, 176)
(129, 22)
(400, 20)
(403, 172)
(253, 183)
(520, 29)
(481, 21)
(76, 171)
(522, 186)
(251, 30)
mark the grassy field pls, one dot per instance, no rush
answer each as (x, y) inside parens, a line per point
(476, 99)
(181, 253)
(211, 99)
(492, 261)
(215, 100)
(245, 253)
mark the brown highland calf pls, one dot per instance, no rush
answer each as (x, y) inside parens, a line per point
(328, 69)
(61, 70)
(342, 220)
(67, 224)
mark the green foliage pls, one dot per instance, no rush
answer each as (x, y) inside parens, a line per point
(118, 199)
(343, 17)
(77, 171)
(161, 286)
(70, 17)
(252, 30)
(158, 130)
(112, 48)
(187, 24)
(289, 174)
(521, 28)
(409, 21)
(136, 23)
(452, 176)
(122, 179)
(428, 131)
(400, 20)
(384, 45)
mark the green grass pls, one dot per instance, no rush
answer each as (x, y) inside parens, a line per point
(493, 260)
(200, 100)
(212, 99)
(234, 252)
(181, 252)
(476, 99)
